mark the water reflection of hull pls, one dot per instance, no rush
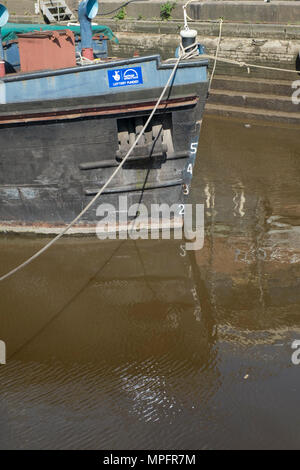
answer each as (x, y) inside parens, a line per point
(249, 184)
(115, 296)
(253, 283)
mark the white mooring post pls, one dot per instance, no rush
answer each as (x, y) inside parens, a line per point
(2, 352)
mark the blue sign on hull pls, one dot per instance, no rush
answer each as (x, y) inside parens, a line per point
(125, 77)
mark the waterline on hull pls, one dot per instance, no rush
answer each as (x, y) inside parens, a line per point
(92, 229)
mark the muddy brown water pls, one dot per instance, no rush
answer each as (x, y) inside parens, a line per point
(129, 345)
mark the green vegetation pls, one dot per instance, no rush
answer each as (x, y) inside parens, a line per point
(166, 10)
(121, 15)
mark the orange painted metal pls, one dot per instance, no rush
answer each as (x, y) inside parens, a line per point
(47, 50)
(88, 53)
(2, 68)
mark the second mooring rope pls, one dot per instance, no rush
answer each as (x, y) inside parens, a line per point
(216, 55)
(248, 66)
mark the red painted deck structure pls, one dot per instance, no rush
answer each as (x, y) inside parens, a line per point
(47, 50)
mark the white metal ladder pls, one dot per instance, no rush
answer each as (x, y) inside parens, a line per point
(56, 10)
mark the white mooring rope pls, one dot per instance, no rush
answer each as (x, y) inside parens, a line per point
(216, 55)
(183, 56)
(248, 66)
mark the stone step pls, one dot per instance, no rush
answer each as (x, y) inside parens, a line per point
(248, 114)
(258, 85)
(253, 100)
(224, 69)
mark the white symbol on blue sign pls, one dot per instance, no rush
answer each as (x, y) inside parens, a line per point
(125, 77)
(116, 76)
(131, 74)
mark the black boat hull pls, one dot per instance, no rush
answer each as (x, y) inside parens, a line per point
(55, 156)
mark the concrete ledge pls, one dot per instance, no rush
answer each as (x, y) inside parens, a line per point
(251, 12)
(147, 9)
(242, 30)
(20, 7)
(26, 19)
(242, 11)
(232, 11)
